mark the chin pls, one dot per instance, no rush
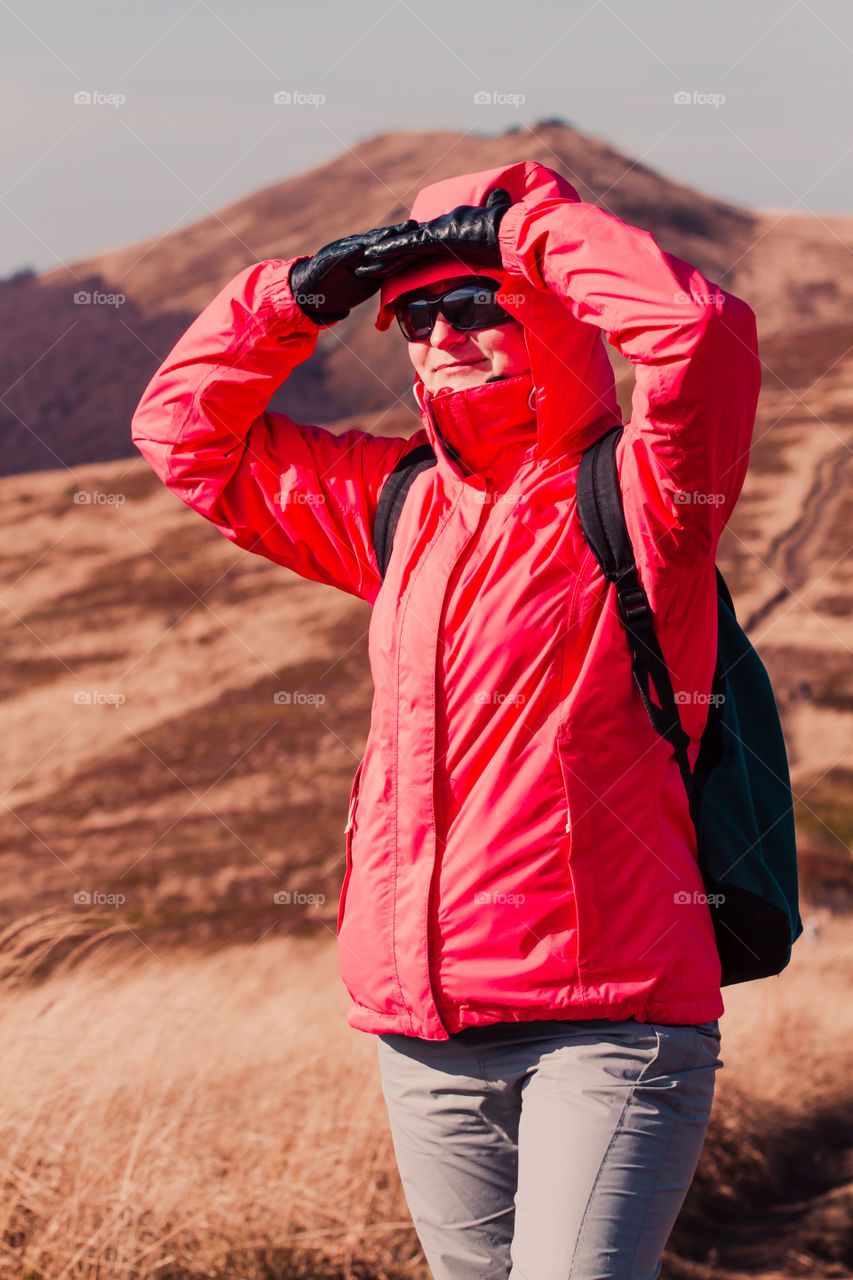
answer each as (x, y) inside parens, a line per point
(456, 379)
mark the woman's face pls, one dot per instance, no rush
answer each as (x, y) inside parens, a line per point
(450, 358)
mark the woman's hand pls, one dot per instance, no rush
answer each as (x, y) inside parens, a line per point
(468, 233)
(327, 285)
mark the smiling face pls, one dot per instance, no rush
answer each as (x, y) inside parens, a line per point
(450, 358)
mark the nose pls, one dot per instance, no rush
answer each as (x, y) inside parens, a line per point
(443, 333)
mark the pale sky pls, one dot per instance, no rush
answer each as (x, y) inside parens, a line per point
(766, 120)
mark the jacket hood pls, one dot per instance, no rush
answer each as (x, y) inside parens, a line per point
(574, 394)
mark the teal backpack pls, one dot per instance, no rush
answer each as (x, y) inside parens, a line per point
(739, 792)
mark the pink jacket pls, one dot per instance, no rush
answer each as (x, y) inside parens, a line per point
(518, 843)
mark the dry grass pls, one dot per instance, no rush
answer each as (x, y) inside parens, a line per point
(189, 1115)
(773, 1193)
(162, 1116)
(786, 1038)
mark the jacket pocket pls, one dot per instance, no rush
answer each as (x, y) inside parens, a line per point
(353, 805)
(580, 857)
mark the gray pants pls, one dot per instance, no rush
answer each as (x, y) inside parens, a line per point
(551, 1150)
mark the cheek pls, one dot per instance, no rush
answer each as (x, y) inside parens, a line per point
(510, 346)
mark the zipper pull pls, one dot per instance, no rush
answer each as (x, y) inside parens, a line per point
(353, 799)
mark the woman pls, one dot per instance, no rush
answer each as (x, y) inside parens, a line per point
(522, 924)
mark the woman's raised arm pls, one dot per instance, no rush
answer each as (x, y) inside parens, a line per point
(299, 495)
(695, 354)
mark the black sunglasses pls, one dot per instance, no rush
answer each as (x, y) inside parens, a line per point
(465, 307)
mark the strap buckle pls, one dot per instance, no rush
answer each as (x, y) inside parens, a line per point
(634, 605)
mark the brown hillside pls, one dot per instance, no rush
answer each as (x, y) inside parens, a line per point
(375, 183)
(74, 372)
(199, 793)
(199, 796)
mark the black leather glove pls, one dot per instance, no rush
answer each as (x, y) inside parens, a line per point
(326, 286)
(468, 233)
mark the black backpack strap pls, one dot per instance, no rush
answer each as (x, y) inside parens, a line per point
(711, 744)
(391, 500)
(724, 593)
(602, 518)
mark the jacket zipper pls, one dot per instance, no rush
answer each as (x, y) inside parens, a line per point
(434, 877)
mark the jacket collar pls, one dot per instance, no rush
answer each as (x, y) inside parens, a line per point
(494, 429)
(488, 430)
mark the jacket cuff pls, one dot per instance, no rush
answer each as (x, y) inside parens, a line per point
(508, 233)
(279, 295)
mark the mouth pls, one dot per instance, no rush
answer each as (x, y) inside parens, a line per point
(458, 364)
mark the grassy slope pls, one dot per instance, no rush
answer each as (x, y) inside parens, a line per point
(190, 1115)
